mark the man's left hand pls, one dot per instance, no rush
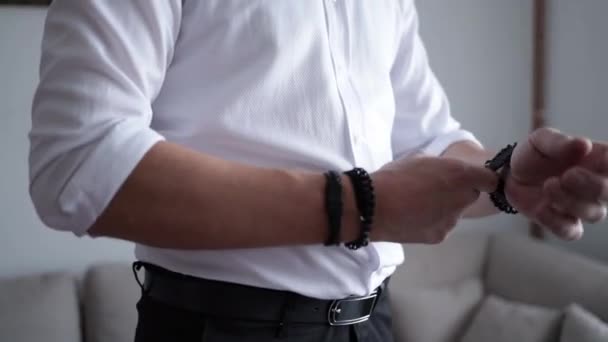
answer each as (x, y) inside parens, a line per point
(559, 181)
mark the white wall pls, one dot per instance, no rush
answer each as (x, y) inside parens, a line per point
(481, 51)
(25, 245)
(578, 85)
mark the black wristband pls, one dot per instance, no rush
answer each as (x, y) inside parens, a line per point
(366, 203)
(502, 160)
(333, 206)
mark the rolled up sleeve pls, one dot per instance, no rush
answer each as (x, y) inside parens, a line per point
(423, 121)
(102, 65)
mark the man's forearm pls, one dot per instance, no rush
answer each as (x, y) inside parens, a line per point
(179, 198)
(471, 152)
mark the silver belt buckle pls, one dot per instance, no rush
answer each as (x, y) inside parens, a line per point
(335, 310)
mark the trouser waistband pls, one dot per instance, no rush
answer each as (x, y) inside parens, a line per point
(235, 301)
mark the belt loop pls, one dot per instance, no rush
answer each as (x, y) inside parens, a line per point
(282, 329)
(381, 289)
(138, 265)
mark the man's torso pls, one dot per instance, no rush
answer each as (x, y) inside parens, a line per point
(290, 85)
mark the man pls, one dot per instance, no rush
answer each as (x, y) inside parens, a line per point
(203, 130)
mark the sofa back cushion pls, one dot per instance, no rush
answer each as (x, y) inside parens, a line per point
(109, 299)
(499, 320)
(582, 326)
(459, 258)
(39, 308)
(434, 314)
(533, 272)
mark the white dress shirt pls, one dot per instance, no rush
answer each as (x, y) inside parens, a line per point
(315, 85)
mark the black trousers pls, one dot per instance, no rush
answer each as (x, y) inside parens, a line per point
(160, 322)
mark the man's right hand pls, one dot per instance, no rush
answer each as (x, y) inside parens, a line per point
(420, 199)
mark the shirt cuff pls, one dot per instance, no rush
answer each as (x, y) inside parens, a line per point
(439, 144)
(101, 175)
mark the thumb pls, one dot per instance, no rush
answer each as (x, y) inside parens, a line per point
(480, 178)
(558, 147)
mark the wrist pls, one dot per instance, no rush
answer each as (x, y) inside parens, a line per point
(363, 188)
(501, 164)
(510, 183)
(381, 216)
(350, 214)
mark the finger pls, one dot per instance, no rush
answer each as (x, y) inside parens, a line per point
(585, 184)
(588, 211)
(597, 159)
(464, 198)
(562, 225)
(557, 146)
(479, 178)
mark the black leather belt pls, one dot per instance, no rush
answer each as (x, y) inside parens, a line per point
(233, 301)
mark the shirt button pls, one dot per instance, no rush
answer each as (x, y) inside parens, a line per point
(356, 140)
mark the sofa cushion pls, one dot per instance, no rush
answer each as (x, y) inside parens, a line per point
(436, 265)
(39, 308)
(524, 270)
(582, 326)
(434, 314)
(499, 320)
(110, 296)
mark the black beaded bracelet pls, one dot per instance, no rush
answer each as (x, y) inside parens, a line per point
(502, 160)
(333, 206)
(366, 203)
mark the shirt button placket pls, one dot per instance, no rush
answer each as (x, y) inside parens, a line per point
(341, 74)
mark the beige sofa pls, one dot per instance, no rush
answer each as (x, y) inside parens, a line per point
(436, 297)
